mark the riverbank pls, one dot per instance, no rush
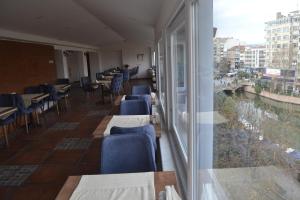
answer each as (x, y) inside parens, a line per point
(275, 97)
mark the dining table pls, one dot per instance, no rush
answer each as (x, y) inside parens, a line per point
(161, 180)
(7, 111)
(62, 87)
(103, 83)
(109, 121)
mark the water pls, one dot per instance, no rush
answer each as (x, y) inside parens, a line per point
(260, 132)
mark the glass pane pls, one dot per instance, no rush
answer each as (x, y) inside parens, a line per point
(178, 49)
(251, 150)
(162, 83)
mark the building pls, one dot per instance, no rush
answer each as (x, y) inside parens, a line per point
(255, 56)
(236, 57)
(282, 41)
(221, 45)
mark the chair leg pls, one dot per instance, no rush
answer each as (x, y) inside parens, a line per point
(66, 104)
(111, 98)
(26, 124)
(37, 117)
(57, 109)
(5, 135)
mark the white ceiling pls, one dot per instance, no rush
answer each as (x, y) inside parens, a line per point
(90, 22)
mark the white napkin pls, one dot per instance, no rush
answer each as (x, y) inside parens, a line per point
(171, 193)
(133, 186)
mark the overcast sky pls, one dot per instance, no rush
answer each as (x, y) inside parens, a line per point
(244, 19)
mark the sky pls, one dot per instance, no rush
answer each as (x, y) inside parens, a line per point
(245, 19)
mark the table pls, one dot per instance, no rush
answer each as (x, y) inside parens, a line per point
(99, 131)
(102, 83)
(7, 111)
(33, 98)
(62, 87)
(161, 179)
(154, 100)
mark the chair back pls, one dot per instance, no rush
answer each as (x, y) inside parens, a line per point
(50, 89)
(141, 89)
(146, 129)
(134, 107)
(146, 97)
(33, 90)
(125, 75)
(20, 104)
(128, 153)
(85, 83)
(7, 100)
(63, 81)
(116, 83)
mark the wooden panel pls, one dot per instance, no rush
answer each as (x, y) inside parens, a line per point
(25, 64)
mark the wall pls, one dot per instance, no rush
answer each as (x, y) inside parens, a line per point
(126, 53)
(94, 64)
(129, 54)
(111, 58)
(59, 63)
(25, 64)
(73, 66)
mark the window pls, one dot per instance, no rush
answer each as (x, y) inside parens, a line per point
(162, 78)
(177, 38)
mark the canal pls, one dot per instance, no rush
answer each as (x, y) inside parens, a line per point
(259, 132)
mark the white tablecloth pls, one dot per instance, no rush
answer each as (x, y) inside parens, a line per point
(132, 186)
(127, 121)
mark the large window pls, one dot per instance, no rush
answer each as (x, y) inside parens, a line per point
(177, 38)
(162, 78)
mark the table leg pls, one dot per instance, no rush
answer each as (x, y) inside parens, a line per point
(102, 91)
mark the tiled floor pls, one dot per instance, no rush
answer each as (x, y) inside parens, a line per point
(61, 147)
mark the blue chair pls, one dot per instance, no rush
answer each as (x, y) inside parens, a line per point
(66, 93)
(146, 97)
(147, 129)
(23, 110)
(134, 107)
(54, 96)
(87, 85)
(140, 90)
(7, 100)
(115, 87)
(35, 90)
(128, 153)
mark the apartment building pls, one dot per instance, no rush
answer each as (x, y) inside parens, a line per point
(221, 45)
(282, 41)
(255, 56)
(236, 56)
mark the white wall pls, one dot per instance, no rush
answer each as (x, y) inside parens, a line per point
(61, 64)
(111, 58)
(73, 67)
(126, 53)
(129, 54)
(58, 55)
(94, 64)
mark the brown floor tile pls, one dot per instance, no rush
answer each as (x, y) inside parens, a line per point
(29, 157)
(64, 157)
(51, 173)
(36, 192)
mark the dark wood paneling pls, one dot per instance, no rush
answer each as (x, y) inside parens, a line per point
(25, 64)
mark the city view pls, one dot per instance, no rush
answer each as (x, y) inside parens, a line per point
(257, 90)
